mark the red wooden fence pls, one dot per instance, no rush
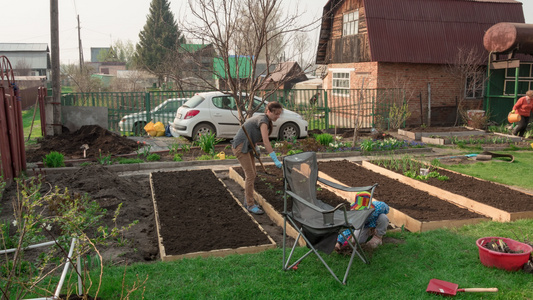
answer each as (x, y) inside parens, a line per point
(12, 151)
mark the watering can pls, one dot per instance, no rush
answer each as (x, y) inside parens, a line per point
(513, 117)
(221, 155)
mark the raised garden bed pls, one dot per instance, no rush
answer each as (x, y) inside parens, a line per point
(419, 132)
(415, 210)
(197, 216)
(412, 208)
(476, 139)
(495, 200)
(269, 194)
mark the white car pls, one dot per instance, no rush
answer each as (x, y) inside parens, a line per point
(164, 113)
(216, 112)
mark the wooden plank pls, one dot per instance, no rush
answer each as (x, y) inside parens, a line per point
(481, 208)
(218, 252)
(162, 253)
(272, 213)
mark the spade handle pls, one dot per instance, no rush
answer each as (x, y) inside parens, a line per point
(478, 290)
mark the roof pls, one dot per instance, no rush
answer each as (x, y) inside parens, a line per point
(191, 48)
(284, 70)
(244, 63)
(24, 47)
(426, 31)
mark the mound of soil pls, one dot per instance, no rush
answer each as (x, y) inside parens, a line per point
(99, 140)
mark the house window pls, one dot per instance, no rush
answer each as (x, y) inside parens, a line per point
(341, 83)
(525, 80)
(474, 85)
(350, 23)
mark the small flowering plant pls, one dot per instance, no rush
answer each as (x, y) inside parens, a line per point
(143, 149)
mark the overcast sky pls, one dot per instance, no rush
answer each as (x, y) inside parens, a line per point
(105, 21)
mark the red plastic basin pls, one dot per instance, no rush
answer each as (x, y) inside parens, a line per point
(500, 260)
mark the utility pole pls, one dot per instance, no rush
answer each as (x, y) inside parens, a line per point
(56, 73)
(80, 48)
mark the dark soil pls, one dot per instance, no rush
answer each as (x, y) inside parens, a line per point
(197, 213)
(413, 202)
(100, 142)
(271, 188)
(486, 192)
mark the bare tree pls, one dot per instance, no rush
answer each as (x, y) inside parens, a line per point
(130, 81)
(244, 34)
(81, 80)
(22, 68)
(468, 68)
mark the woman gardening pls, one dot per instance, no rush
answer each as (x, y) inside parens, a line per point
(523, 107)
(255, 129)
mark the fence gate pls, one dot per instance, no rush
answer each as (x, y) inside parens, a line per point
(12, 151)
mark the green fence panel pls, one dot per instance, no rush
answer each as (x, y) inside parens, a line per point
(321, 108)
(497, 108)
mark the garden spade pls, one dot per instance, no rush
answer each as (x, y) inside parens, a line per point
(441, 287)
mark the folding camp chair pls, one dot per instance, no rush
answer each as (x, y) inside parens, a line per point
(318, 223)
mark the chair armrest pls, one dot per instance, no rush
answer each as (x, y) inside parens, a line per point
(347, 188)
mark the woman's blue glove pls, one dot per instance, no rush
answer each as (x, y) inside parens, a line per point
(275, 159)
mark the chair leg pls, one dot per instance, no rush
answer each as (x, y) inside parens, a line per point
(312, 250)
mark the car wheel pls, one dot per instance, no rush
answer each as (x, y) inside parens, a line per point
(289, 131)
(202, 128)
(138, 128)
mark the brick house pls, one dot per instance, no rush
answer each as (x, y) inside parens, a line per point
(411, 44)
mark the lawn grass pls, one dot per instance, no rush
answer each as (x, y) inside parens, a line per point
(396, 271)
(27, 117)
(501, 171)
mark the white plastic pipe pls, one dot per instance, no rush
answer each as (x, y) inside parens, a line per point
(65, 270)
(29, 247)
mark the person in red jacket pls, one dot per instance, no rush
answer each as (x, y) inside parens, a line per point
(523, 107)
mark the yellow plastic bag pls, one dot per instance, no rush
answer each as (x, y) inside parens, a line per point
(159, 128)
(149, 128)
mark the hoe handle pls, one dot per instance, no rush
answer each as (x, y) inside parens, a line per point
(478, 290)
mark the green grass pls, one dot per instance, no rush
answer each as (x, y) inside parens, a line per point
(396, 271)
(27, 117)
(498, 170)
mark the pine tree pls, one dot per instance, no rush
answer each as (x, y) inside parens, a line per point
(158, 40)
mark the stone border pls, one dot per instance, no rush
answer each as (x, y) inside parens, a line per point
(218, 253)
(271, 212)
(399, 218)
(480, 208)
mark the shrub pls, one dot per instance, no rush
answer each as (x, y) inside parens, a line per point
(54, 159)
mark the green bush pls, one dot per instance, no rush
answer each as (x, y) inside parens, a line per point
(54, 159)
(324, 139)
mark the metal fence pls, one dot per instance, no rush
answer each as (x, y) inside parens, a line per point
(323, 109)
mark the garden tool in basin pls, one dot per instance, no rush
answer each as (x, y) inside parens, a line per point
(441, 287)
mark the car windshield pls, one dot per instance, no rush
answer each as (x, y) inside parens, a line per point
(194, 101)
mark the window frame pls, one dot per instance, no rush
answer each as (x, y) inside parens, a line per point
(350, 23)
(340, 89)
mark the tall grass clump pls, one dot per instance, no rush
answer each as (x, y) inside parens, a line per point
(324, 139)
